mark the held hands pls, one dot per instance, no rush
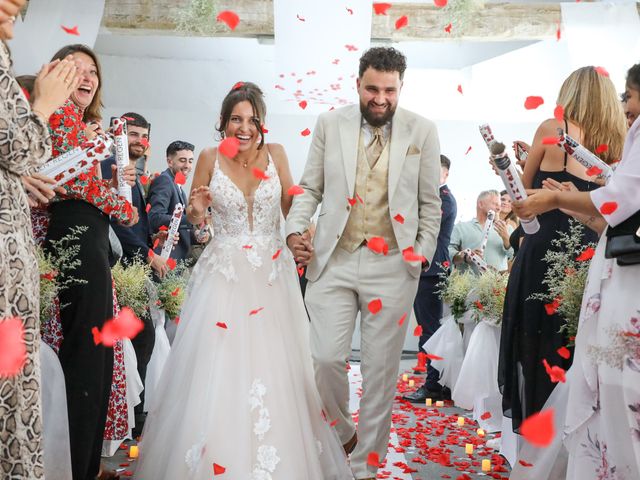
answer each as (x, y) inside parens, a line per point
(54, 83)
(129, 176)
(301, 248)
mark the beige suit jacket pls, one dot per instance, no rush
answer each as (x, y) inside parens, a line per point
(329, 177)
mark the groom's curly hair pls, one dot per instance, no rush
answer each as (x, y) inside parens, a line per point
(383, 59)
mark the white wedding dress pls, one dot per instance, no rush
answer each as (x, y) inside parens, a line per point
(238, 388)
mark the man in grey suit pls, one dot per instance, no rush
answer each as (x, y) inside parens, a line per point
(375, 168)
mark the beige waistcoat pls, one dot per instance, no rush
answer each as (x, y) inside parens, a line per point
(369, 218)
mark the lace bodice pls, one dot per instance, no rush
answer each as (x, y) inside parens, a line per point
(235, 215)
(249, 226)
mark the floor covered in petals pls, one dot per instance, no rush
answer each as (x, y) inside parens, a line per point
(426, 443)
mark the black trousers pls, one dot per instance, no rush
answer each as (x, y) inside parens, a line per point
(428, 308)
(88, 368)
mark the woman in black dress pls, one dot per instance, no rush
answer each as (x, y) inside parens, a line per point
(593, 116)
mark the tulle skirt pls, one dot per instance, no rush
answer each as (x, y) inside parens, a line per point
(237, 393)
(446, 342)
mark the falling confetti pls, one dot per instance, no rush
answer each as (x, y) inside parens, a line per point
(259, 174)
(538, 429)
(381, 8)
(533, 102)
(448, 28)
(375, 306)
(399, 218)
(229, 147)
(230, 18)
(587, 254)
(13, 350)
(180, 178)
(306, 132)
(440, 3)
(402, 22)
(71, 31)
(558, 113)
(607, 208)
(564, 352)
(295, 190)
(378, 245)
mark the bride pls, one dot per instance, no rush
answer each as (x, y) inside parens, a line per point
(237, 396)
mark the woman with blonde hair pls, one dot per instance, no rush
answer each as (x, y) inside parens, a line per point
(530, 334)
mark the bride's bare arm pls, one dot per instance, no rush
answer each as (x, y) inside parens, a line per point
(279, 157)
(199, 197)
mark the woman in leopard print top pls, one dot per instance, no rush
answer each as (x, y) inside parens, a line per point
(24, 146)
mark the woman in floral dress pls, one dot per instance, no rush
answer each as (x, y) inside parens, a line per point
(603, 413)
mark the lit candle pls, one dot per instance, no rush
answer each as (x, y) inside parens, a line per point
(412, 383)
(460, 421)
(486, 465)
(480, 432)
(468, 448)
(133, 451)
(405, 377)
(439, 403)
(428, 402)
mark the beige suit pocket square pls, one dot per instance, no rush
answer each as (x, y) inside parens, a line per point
(413, 150)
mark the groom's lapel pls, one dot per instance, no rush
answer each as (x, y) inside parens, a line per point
(350, 124)
(400, 139)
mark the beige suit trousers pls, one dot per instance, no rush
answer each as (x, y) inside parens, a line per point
(347, 285)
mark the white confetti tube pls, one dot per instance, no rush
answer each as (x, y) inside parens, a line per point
(173, 230)
(122, 156)
(77, 161)
(487, 135)
(586, 158)
(476, 260)
(491, 215)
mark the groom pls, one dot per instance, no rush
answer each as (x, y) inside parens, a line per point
(375, 169)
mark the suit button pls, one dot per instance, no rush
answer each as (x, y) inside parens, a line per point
(348, 207)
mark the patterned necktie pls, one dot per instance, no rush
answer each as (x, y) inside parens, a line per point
(374, 149)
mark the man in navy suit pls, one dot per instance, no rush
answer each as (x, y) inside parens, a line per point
(165, 194)
(428, 304)
(136, 242)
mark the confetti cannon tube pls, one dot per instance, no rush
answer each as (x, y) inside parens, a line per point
(487, 135)
(476, 260)
(491, 215)
(586, 158)
(512, 182)
(80, 160)
(173, 231)
(122, 156)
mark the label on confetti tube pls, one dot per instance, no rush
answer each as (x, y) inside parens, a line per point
(476, 260)
(487, 135)
(173, 230)
(122, 156)
(80, 160)
(491, 215)
(586, 158)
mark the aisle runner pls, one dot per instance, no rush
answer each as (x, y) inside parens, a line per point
(391, 469)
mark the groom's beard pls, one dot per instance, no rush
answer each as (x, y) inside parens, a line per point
(375, 119)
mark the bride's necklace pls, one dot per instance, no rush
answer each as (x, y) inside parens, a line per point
(245, 163)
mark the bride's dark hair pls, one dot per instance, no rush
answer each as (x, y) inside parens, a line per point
(244, 91)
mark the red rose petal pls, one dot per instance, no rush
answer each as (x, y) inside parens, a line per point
(538, 429)
(602, 71)
(375, 306)
(306, 132)
(399, 218)
(218, 469)
(440, 3)
(460, 89)
(602, 148)
(556, 374)
(550, 140)
(171, 263)
(485, 416)
(448, 28)
(277, 254)
(468, 150)
(295, 190)
(163, 228)
(175, 292)
(237, 86)
(230, 18)
(593, 171)
(587, 254)
(417, 332)
(125, 325)
(144, 179)
(558, 113)
(378, 245)
(71, 31)
(352, 201)
(13, 350)
(303, 104)
(409, 255)
(373, 459)
(180, 178)
(402, 22)
(607, 208)
(533, 102)
(256, 311)
(229, 147)
(221, 325)
(380, 8)
(431, 356)
(564, 352)
(402, 319)
(259, 174)
(148, 207)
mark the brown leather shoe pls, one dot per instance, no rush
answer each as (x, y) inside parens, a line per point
(351, 444)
